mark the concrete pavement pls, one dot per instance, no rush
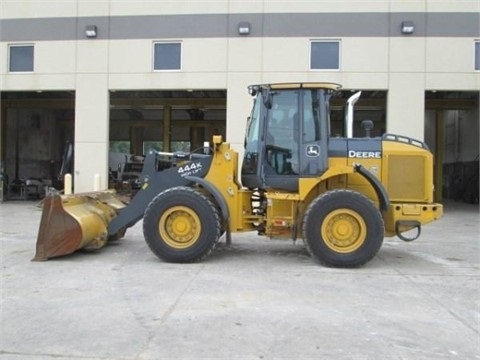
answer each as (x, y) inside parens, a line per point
(258, 299)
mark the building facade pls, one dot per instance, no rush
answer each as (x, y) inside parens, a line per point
(93, 53)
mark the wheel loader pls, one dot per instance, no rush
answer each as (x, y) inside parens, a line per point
(340, 195)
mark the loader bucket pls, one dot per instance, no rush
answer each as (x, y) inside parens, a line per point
(74, 222)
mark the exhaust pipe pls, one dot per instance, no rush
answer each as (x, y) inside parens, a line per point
(349, 114)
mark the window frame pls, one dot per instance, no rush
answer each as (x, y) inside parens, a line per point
(337, 41)
(9, 55)
(160, 42)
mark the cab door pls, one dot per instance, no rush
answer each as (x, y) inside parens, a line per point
(281, 167)
(314, 106)
(296, 129)
(286, 138)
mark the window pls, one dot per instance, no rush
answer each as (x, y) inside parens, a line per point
(120, 147)
(324, 55)
(20, 58)
(183, 146)
(282, 133)
(167, 56)
(152, 145)
(477, 55)
(311, 111)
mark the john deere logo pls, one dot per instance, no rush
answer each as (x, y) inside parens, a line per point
(313, 150)
(364, 154)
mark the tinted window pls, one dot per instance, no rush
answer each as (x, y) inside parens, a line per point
(477, 55)
(21, 58)
(324, 55)
(167, 56)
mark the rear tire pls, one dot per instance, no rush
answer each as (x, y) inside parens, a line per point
(181, 225)
(343, 228)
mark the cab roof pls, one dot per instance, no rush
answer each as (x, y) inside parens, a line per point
(305, 85)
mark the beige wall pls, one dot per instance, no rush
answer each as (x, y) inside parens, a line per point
(405, 66)
(65, 8)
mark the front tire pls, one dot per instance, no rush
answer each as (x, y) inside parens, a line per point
(343, 228)
(181, 225)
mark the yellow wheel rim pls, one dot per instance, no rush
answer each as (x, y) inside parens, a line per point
(179, 227)
(344, 231)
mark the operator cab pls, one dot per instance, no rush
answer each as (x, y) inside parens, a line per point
(287, 134)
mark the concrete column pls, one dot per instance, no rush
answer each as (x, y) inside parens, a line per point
(406, 105)
(3, 126)
(239, 106)
(91, 131)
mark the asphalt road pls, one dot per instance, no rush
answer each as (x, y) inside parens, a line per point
(258, 299)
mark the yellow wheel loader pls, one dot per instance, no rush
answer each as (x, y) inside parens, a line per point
(341, 195)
